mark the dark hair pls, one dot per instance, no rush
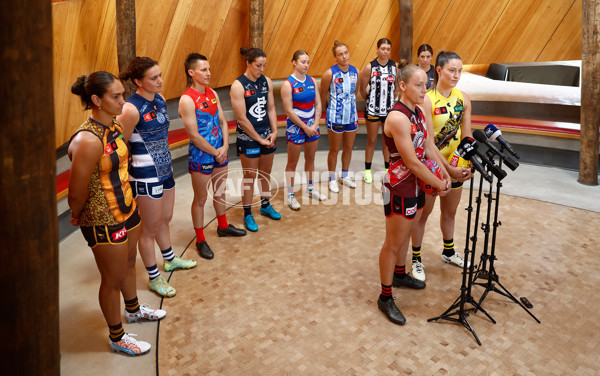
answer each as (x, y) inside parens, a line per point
(423, 48)
(441, 60)
(383, 41)
(96, 83)
(252, 54)
(336, 44)
(137, 68)
(299, 53)
(190, 63)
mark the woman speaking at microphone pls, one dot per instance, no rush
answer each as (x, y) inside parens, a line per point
(448, 116)
(405, 135)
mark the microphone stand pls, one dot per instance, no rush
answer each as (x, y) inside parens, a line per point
(458, 308)
(490, 275)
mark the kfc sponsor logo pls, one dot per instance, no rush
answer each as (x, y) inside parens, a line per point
(338, 80)
(149, 116)
(117, 235)
(249, 93)
(376, 74)
(298, 90)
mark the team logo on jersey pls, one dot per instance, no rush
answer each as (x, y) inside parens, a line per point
(390, 78)
(458, 108)
(149, 116)
(440, 111)
(338, 80)
(258, 109)
(249, 93)
(298, 90)
(205, 105)
(214, 100)
(160, 117)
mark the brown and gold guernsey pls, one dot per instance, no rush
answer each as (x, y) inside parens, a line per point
(110, 200)
(447, 114)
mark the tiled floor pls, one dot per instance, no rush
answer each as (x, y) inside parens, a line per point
(299, 296)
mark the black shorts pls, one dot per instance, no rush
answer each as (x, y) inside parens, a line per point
(115, 234)
(375, 118)
(252, 148)
(404, 206)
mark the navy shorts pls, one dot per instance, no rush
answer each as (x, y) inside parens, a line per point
(252, 148)
(152, 190)
(112, 235)
(341, 128)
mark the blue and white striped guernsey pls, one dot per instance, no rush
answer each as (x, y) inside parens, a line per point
(151, 157)
(342, 102)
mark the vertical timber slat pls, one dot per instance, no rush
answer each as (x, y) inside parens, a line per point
(406, 29)
(125, 37)
(590, 93)
(257, 11)
(29, 232)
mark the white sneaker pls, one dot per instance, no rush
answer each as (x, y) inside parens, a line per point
(145, 313)
(333, 186)
(293, 203)
(348, 182)
(455, 259)
(129, 345)
(418, 271)
(314, 194)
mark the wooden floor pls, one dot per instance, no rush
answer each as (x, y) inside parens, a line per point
(299, 297)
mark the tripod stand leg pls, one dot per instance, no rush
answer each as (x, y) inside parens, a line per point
(511, 297)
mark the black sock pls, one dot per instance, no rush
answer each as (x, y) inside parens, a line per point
(400, 271)
(247, 210)
(368, 165)
(264, 202)
(386, 165)
(416, 256)
(386, 292)
(448, 247)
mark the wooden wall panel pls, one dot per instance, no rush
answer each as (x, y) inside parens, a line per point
(565, 43)
(426, 19)
(465, 29)
(153, 20)
(225, 61)
(301, 26)
(522, 31)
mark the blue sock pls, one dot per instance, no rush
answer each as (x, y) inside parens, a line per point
(344, 173)
(332, 177)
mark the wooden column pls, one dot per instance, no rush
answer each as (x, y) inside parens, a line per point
(29, 231)
(406, 29)
(125, 37)
(590, 93)
(256, 23)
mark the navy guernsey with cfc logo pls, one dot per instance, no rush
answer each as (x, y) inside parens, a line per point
(255, 96)
(151, 156)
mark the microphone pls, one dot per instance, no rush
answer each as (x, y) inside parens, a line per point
(500, 174)
(493, 133)
(481, 137)
(466, 150)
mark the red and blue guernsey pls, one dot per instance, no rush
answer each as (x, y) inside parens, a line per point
(303, 104)
(207, 117)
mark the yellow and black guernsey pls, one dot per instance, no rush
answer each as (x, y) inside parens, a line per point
(110, 200)
(447, 114)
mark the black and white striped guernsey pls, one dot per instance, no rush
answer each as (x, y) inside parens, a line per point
(380, 97)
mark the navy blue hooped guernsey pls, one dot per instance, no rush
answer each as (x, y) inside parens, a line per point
(151, 156)
(255, 96)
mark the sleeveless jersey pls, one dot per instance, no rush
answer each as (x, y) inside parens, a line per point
(399, 179)
(207, 117)
(342, 102)
(110, 201)
(447, 116)
(256, 94)
(380, 97)
(151, 156)
(303, 99)
(430, 76)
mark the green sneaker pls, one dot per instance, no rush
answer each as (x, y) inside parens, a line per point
(368, 177)
(179, 263)
(160, 286)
